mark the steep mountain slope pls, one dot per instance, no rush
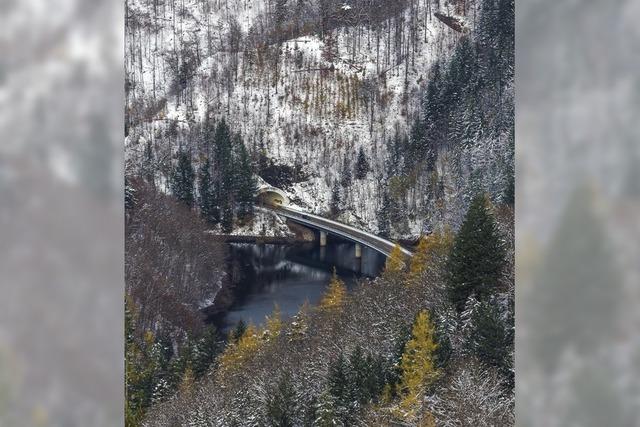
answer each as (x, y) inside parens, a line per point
(308, 85)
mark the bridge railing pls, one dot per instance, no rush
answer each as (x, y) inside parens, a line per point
(340, 229)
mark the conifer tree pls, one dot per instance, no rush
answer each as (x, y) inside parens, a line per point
(340, 389)
(224, 165)
(336, 200)
(384, 226)
(227, 216)
(418, 363)
(274, 323)
(238, 331)
(335, 295)
(396, 261)
(359, 372)
(299, 322)
(208, 194)
(490, 338)
(188, 381)
(183, 179)
(477, 257)
(246, 184)
(325, 411)
(205, 351)
(346, 174)
(362, 165)
(281, 404)
(432, 250)
(235, 354)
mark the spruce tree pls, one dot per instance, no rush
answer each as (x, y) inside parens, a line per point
(226, 214)
(205, 351)
(281, 405)
(183, 179)
(384, 225)
(359, 370)
(238, 331)
(336, 199)
(491, 339)
(223, 150)
(208, 194)
(340, 389)
(362, 165)
(346, 177)
(478, 256)
(325, 411)
(246, 186)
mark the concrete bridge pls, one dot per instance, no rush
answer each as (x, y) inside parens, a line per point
(275, 200)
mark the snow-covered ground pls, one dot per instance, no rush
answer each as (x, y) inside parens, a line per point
(308, 109)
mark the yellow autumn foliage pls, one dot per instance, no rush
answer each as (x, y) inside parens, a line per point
(335, 295)
(430, 249)
(236, 353)
(274, 323)
(188, 381)
(417, 364)
(395, 261)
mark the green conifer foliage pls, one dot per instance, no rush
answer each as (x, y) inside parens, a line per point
(281, 405)
(478, 256)
(183, 179)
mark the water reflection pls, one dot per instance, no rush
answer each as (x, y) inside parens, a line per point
(289, 275)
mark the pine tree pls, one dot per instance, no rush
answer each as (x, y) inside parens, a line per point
(205, 351)
(418, 363)
(346, 177)
(335, 295)
(336, 200)
(238, 331)
(478, 256)
(362, 165)
(246, 184)
(300, 323)
(384, 226)
(325, 412)
(183, 179)
(490, 338)
(223, 155)
(281, 404)
(340, 389)
(227, 216)
(359, 371)
(208, 194)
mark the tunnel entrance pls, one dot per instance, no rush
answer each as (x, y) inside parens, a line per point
(272, 197)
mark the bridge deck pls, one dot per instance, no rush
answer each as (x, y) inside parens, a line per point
(377, 243)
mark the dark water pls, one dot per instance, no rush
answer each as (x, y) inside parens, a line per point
(288, 275)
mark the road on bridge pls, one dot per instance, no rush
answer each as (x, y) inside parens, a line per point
(333, 227)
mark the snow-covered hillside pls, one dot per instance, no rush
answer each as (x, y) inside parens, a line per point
(309, 99)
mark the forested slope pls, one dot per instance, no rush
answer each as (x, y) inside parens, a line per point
(395, 116)
(368, 108)
(430, 342)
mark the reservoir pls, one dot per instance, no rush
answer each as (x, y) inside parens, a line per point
(288, 275)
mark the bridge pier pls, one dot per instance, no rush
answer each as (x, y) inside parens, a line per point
(358, 250)
(323, 238)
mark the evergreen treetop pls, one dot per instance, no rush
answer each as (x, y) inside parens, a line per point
(478, 256)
